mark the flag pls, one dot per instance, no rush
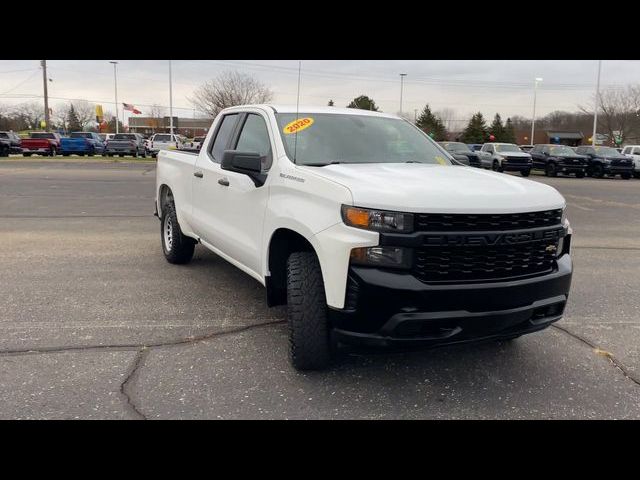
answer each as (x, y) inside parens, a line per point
(131, 108)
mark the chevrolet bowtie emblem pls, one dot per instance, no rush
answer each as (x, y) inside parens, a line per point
(551, 248)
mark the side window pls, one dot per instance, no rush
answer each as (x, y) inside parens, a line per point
(636, 151)
(254, 137)
(223, 135)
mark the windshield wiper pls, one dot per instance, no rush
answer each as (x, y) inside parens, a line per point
(318, 164)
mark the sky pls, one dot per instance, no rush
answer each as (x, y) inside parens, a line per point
(488, 86)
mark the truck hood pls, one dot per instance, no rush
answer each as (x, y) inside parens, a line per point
(414, 187)
(514, 154)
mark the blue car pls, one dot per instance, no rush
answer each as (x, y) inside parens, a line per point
(81, 143)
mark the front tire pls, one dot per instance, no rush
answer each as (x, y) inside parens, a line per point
(597, 171)
(496, 166)
(53, 152)
(307, 313)
(579, 174)
(177, 248)
(550, 170)
(525, 173)
(626, 176)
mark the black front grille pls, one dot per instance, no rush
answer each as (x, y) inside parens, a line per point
(517, 160)
(484, 263)
(442, 222)
(620, 163)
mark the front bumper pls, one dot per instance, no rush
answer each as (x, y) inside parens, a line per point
(571, 168)
(385, 308)
(516, 167)
(618, 169)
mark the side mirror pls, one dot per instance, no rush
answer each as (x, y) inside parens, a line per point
(248, 163)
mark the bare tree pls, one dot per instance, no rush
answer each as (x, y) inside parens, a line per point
(85, 111)
(227, 90)
(157, 114)
(31, 113)
(619, 111)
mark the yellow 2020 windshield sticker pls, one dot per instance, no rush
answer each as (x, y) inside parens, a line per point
(297, 125)
(441, 160)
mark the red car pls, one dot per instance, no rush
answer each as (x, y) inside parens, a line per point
(41, 143)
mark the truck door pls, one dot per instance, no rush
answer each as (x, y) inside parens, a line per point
(228, 206)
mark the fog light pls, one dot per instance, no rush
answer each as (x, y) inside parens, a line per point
(394, 257)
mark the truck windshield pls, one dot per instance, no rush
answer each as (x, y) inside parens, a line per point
(325, 138)
(124, 136)
(507, 148)
(562, 151)
(43, 135)
(608, 152)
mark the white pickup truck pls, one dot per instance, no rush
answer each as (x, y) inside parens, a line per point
(362, 225)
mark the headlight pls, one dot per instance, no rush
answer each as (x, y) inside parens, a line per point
(606, 160)
(377, 220)
(393, 257)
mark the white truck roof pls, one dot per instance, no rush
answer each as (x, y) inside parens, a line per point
(315, 109)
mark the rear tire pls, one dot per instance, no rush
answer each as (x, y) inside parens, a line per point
(52, 152)
(625, 176)
(26, 154)
(636, 174)
(307, 313)
(177, 248)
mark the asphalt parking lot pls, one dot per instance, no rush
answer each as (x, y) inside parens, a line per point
(94, 323)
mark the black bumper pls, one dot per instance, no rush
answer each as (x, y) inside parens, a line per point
(618, 170)
(385, 308)
(516, 167)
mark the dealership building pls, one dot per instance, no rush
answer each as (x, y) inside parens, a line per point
(189, 127)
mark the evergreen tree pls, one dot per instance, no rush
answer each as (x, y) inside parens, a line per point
(431, 125)
(509, 132)
(476, 130)
(330, 103)
(363, 103)
(497, 129)
(73, 122)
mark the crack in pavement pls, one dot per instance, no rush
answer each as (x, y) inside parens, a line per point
(599, 351)
(142, 353)
(137, 361)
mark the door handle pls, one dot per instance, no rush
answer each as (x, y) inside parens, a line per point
(224, 181)
(198, 174)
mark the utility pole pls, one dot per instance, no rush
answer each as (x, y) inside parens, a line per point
(415, 115)
(170, 102)
(43, 63)
(533, 120)
(115, 79)
(595, 112)
(402, 75)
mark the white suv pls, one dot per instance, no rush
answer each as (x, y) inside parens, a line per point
(633, 151)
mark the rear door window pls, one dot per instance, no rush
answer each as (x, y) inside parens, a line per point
(223, 136)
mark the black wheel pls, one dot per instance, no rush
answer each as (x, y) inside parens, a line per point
(52, 152)
(154, 155)
(525, 173)
(26, 154)
(636, 174)
(81, 154)
(4, 152)
(309, 342)
(625, 176)
(597, 171)
(121, 155)
(550, 170)
(91, 152)
(177, 248)
(135, 154)
(579, 174)
(496, 166)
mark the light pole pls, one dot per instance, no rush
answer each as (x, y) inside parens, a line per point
(402, 75)
(595, 112)
(115, 80)
(170, 102)
(533, 120)
(43, 63)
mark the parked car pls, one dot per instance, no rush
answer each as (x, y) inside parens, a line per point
(463, 153)
(356, 221)
(633, 152)
(41, 143)
(554, 159)
(11, 142)
(82, 143)
(506, 157)
(606, 161)
(125, 144)
(164, 141)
